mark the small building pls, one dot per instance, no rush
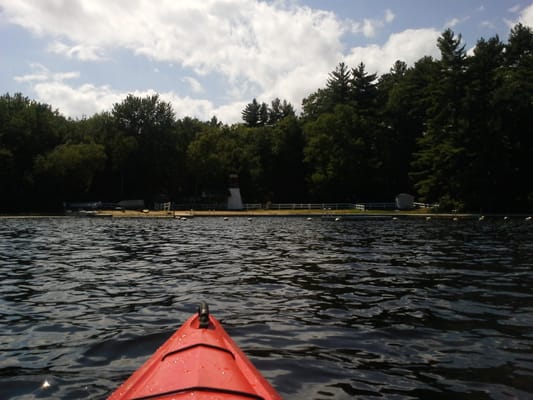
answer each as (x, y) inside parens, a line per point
(234, 199)
(405, 201)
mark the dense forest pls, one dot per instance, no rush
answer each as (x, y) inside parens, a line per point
(457, 131)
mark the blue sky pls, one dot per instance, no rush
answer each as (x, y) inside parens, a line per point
(211, 57)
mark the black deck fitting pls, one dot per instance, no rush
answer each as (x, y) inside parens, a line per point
(203, 314)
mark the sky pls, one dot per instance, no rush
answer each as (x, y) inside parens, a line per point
(212, 57)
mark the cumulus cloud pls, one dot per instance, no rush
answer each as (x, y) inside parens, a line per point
(526, 16)
(254, 48)
(389, 16)
(40, 73)
(78, 101)
(369, 27)
(456, 21)
(87, 99)
(81, 52)
(195, 86)
(238, 38)
(452, 22)
(408, 46)
(488, 24)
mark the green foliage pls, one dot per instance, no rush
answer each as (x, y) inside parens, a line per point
(256, 115)
(71, 168)
(454, 130)
(27, 129)
(341, 153)
(146, 146)
(143, 116)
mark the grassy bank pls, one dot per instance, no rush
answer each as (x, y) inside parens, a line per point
(265, 213)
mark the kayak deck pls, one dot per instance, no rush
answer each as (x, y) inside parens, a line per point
(199, 361)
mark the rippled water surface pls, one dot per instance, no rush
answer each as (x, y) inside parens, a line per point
(368, 309)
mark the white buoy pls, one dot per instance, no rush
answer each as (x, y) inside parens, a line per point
(45, 384)
(428, 218)
(249, 219)
(505, 218)
(309, 219)
(455, 219)
(338, 219)
(528, 218)
(481, 218)
(226, 218)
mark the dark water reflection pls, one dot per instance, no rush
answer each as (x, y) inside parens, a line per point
(352, 309)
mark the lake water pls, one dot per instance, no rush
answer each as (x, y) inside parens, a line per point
(366, 309)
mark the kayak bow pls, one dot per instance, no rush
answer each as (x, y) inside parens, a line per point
(199, 361)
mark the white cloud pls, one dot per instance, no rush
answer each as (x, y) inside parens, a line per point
(81, 52)
(253, 45)
(409, 46)
(451, 23)
(195, 86)
(455, 21)
(389, 16)
(234, 37)
(87, 99)
(41, 73)
(83, 100)
(526, 16)
(369, 27)
(253, 48)
(487, 24)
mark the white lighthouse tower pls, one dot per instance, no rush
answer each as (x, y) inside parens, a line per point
(234, 199)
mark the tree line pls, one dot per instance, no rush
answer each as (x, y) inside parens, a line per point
(455, 130)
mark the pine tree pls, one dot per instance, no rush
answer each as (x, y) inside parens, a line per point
(338, 85)
(250, 114)
(363, 90)
(440, 160)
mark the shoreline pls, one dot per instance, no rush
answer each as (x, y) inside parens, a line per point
(342, 214)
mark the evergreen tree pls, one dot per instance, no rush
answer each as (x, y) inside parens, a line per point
(486, 160)
(287, 110)
(251, 114)
(363, 90)
(275, 113)
(400, 130)
(338, 86)
(263, 115)
(440, 160)
(514, 101)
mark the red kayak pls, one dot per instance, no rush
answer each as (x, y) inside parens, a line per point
(199, 361)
